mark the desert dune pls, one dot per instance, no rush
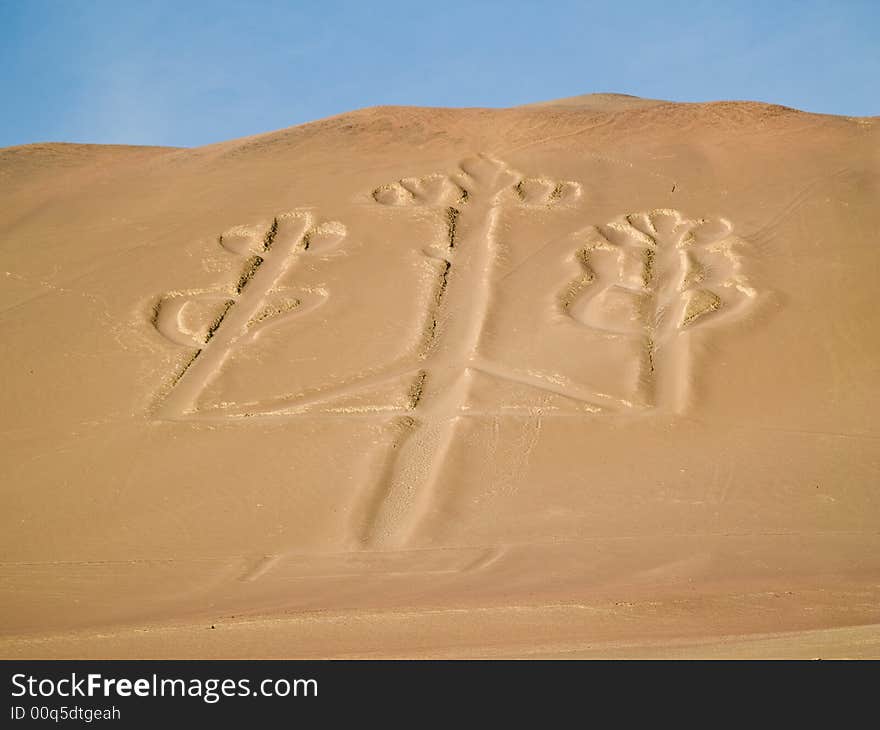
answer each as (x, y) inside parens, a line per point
(595, 377)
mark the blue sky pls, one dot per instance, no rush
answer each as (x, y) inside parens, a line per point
(189, 73)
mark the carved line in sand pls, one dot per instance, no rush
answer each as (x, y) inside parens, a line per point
(651, 276)
(254, 303)
(470, 200)
(654, 277)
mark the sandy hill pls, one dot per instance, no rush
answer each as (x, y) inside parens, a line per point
(599, 102)
(589, 377)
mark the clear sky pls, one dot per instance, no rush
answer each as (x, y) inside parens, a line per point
(188, 73)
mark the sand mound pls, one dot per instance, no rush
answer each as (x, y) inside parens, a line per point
(599, 103)
(588, 377)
